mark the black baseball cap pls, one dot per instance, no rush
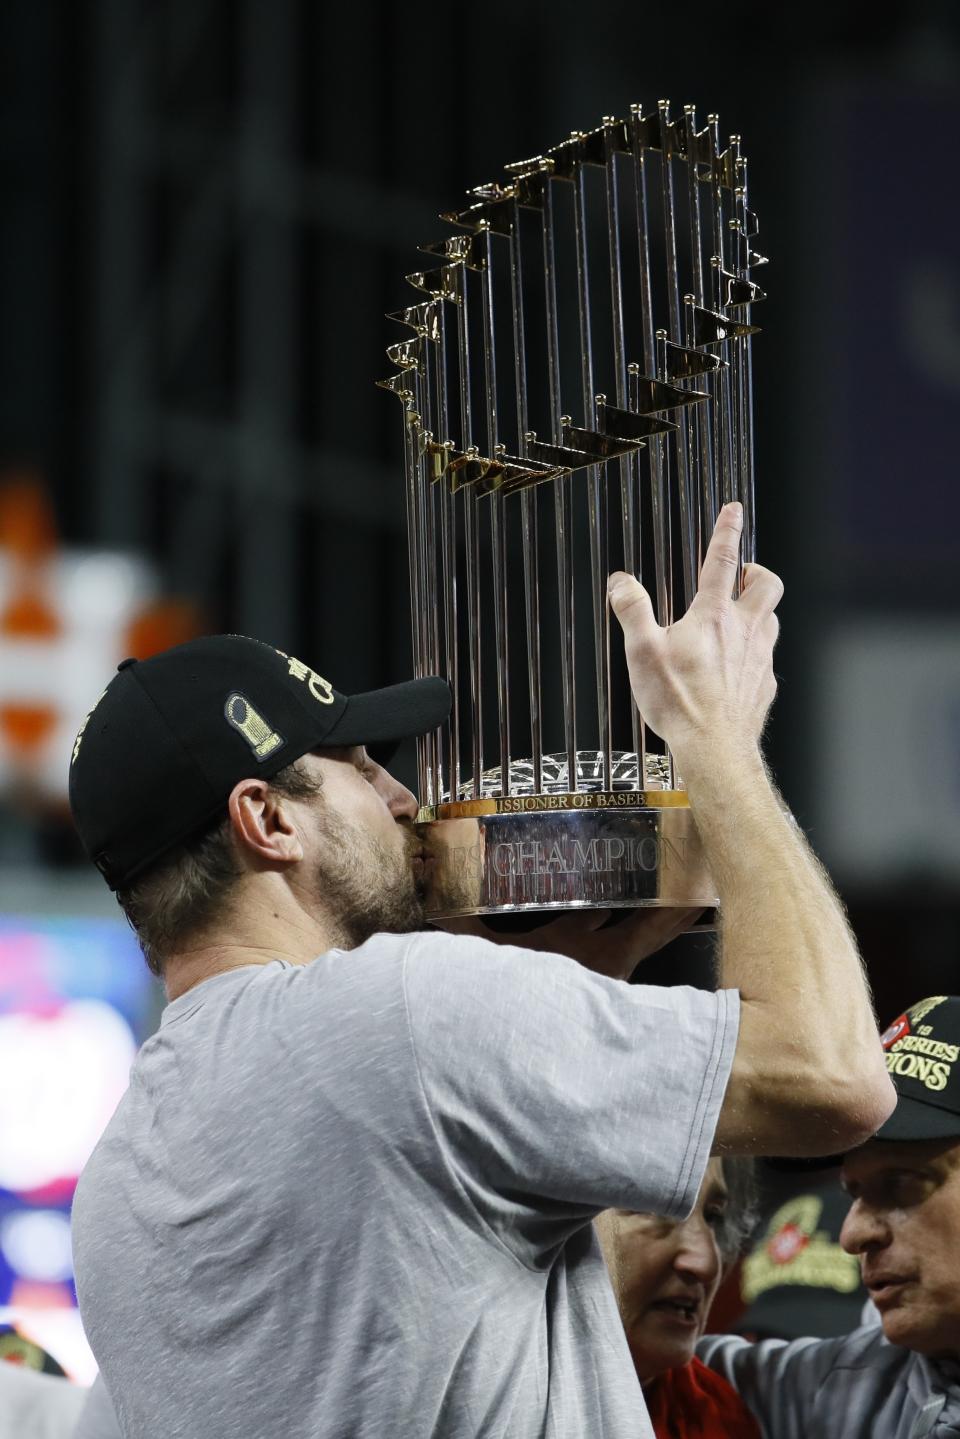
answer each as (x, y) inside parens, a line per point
(159, 753)
(923, 1057)
(796, 1280)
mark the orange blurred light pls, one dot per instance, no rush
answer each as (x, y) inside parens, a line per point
(28, 616)
(26, 727)
(161, 625)
(27, 524)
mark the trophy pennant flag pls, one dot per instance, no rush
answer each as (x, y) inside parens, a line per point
(576, 386)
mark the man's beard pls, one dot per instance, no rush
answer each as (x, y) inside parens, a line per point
(365, 888)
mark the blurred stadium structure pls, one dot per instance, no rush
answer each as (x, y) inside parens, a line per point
(74, 1003)
(209, 205)
(67, 616)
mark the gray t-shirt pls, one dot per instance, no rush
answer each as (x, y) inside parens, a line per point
(353, 1198)
(97, 1418)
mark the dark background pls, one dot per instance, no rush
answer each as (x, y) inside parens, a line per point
(207, 207)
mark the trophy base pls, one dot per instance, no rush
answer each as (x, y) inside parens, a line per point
(600, 850)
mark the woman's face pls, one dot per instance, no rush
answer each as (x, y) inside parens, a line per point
(665, 1275)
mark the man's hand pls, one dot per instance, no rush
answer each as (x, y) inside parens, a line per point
(580, 935)
(709, 677)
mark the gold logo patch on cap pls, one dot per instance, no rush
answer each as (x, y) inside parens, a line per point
(796, 1251)
(321, 689)
(240, 713)
(918, 1012)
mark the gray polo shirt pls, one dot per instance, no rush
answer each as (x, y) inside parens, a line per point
(353, 1198)
(856, 1387)
(37, 1406)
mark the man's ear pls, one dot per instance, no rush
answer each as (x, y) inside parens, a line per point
(263, 825)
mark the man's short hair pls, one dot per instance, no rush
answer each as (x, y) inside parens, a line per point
(186, 891)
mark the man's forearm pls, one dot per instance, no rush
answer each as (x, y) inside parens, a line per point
(787, 947)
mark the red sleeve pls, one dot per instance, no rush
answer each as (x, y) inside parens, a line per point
(695, 1403)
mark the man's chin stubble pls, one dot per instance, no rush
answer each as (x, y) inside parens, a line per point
(392, 912)
(369, 890)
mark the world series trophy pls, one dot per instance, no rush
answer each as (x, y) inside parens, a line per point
(577, 398)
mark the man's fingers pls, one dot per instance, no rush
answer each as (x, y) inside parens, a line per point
(570, 927)
(762, 590)
(723, 556)
(658, 925)
(632, 606)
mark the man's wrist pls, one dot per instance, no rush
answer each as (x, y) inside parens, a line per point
(719, 760)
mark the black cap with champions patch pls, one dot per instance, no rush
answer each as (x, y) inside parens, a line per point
(923, 1058)
(159, 753)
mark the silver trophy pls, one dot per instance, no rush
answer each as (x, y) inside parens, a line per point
(576, 399)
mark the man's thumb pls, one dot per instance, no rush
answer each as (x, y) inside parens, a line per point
(629, 600)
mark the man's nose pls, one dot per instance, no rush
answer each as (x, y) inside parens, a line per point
(401, 803)
(697, 1253)
(864, 1228)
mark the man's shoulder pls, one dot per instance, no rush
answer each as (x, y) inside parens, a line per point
(866, 1347)
(863, 1348)
(456, 961)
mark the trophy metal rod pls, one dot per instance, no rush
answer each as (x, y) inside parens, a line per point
(661, 534)
(561, 494)
(729, 488)
(655, 445)
(529, 540)
(414, 476)
(736, 356)
(655, 363)
(707, 462)
(693, 191)
(736, 406)
(429, 599)
(497, 515)
(471, 537)
(596, 486)
(684, 457)
(619, 344)
(719, 383)
(660, 507)
(528, 507)
(688, 500)
(629, 467)
(448, 544)
(643, 239)
(750, 510)
(746, 378)
(433, 617)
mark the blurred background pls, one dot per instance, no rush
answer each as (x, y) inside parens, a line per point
(207, 208)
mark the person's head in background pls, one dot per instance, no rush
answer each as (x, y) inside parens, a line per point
(666, 1272)
(904, 1186)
